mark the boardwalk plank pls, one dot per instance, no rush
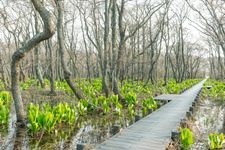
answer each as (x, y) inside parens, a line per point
(153, 131)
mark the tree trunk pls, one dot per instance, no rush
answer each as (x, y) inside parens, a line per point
(36, 53)
(67, 74)
(86, 52)
(114, 64)
(20, 53)
(167, 43)
(51, 75)
(105, 52)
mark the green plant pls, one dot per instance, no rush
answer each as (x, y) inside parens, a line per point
(82, 106)
(64, 113)
(33, 112)
(131, 98)
(97, 85)
(114, 99)
(216, 140)
(116, 103)
(2, 86)
(95, 102)
(69, 114)
(46, 107)
(4, 112)
(118, 108)
(186, 138)
(130, 110)
(62, 85)
(105, 106)
(25, 85)
(174, 87)
(216, 92)
(5, 99)
(58, 110)
(46, 82)
(46, 120)
(149, 103)
(45, 117)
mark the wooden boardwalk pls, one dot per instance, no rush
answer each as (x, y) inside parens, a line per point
(154, 131)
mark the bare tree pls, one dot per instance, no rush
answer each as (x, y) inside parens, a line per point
(167, 40)
(212, 25)
(67, 73)
(177, 58)
(21, 52)
(37, 62)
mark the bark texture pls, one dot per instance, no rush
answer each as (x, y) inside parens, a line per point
(67, 74)
(21, 52)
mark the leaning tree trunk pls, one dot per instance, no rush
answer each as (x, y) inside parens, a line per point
(86, 51)
(20, 53)
(67, 73)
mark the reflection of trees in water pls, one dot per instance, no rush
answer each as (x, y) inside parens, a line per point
(208, 118)
(21, 139)
(93, 129)
(8, 140)
(16, 137)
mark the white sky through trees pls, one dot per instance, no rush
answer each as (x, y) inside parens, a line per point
(20, 10)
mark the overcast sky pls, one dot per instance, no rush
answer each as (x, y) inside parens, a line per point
(194, 33)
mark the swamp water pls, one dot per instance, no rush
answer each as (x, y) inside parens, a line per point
(90, 130)
(208, 118)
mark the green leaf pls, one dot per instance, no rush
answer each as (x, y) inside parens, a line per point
(186, 138)
(216, 140)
